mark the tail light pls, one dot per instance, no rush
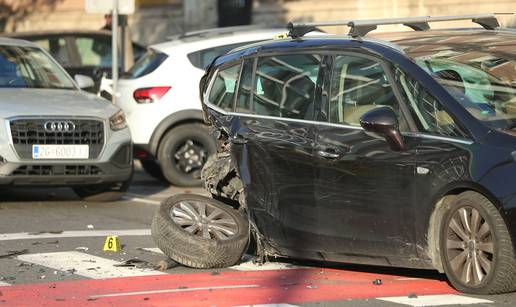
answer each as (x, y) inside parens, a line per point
(150, 94)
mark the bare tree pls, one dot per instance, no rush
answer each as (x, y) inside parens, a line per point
(14, 11)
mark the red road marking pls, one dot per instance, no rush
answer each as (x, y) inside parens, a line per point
(225, 289)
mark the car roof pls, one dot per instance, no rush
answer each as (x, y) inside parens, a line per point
(7, 41)
(191, 45)
(408, 42)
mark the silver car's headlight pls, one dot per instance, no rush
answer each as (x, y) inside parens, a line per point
(117, 121)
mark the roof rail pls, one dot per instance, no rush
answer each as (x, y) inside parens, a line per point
(362, 27)
(222, 31)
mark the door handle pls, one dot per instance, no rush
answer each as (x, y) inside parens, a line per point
(239, 139)
(328, 154)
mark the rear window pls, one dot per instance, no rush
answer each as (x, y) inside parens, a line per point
(201, 59)
(151, 60)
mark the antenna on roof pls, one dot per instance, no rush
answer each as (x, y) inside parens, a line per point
(362, 27)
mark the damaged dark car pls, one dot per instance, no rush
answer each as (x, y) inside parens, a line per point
(394, 150)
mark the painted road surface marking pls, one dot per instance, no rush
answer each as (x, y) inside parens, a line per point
(293, 286)
(85, 265)
(4, 284)
(211, 288)
(435, 300)
(74, 234)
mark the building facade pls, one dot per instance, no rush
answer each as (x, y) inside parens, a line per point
(154, 20)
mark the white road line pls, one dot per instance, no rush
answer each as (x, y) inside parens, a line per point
(4, 284)
(435, 300)
(173, 291)
(74, 234)
(85, 265)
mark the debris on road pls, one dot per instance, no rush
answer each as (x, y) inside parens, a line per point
(90, 226)
(412, 295)
(82, 248)
(136, 263)
(377, 282)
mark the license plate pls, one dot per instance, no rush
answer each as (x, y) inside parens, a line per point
(60, 152)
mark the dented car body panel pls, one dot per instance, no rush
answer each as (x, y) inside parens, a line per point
(329, 191)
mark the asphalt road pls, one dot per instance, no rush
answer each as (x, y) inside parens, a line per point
(51, 254)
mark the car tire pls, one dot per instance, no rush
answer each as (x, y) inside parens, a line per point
(197, 248)
(193, 140)
(476, 248)
(152, 168)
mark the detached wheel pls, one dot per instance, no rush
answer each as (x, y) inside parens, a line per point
(183, 152)
(476, 248)
(200, 232)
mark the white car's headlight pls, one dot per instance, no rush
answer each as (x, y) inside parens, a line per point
(117, 121)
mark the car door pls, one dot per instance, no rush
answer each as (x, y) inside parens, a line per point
(364, 190)
(273, 135)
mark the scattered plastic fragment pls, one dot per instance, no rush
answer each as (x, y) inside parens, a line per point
(82, 248)
(90, 226)
(377, 282)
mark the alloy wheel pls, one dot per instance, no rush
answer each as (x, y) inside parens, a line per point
(190, 157)
(470, 246)
(204, 220)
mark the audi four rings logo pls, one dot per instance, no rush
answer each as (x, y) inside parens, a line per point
(59, 126)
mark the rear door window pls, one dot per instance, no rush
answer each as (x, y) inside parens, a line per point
(284, 86)
(94, 51)
(222, 92)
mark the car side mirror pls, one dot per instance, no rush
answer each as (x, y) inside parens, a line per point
(84, 81)
(383, 121)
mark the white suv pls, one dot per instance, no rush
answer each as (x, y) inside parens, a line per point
(160, 96)
(54, 134)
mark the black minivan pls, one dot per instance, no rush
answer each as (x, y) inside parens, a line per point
(398, 150)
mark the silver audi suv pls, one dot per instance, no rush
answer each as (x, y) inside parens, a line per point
(54, 134)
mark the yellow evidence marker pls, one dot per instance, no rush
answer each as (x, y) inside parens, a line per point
(112, 244)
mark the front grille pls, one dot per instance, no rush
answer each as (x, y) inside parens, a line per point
(57, 170)
(27, 132)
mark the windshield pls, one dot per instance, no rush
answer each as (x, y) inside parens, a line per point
(483, 80)
(30, 67)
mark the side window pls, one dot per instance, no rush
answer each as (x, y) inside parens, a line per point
(359, 85)
(284, 85)
(428, 111)
(222, 92)
(94, 51)
(244, 90)
(57, 47)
